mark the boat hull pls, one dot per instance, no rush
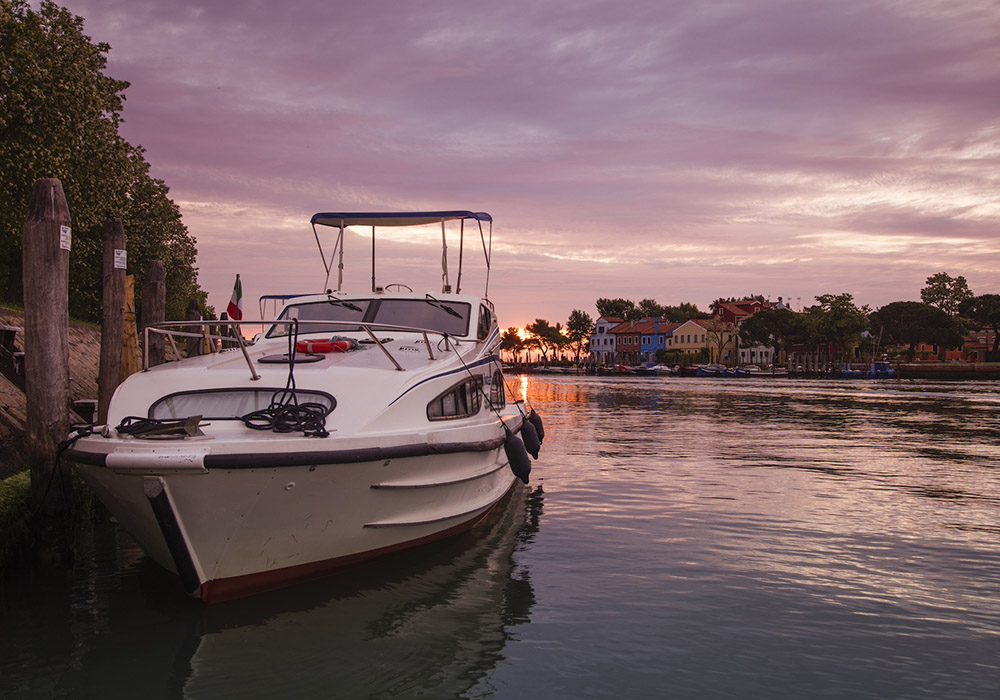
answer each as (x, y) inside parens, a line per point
(232, 532)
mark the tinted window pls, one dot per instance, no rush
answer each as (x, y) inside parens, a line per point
(336, 310)
(429, 314)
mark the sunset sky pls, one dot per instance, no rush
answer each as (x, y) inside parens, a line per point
(679, 151)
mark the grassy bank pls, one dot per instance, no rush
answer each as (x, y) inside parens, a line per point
(15, 520)
(17, 540)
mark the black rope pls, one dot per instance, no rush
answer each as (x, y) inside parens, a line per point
(285, 414)
(57, 467)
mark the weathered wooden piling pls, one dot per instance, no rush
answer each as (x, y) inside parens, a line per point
(112, 315)
(130, 336)
(154, 302)
(46, 240)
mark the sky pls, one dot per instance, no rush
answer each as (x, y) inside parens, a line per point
(663, 149)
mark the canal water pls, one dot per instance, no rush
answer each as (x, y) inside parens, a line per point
(680, 538)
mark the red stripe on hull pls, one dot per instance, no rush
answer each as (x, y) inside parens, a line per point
(220, 590)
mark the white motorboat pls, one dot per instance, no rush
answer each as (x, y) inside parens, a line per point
(358, 424)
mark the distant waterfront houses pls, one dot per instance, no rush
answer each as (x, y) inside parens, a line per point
(615, 341)
(602, 342)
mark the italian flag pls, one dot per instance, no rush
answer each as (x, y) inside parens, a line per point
(235, 308)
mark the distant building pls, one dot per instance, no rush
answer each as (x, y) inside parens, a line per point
(654, 336)
(627, 343)
(690, 337)
(602, 343)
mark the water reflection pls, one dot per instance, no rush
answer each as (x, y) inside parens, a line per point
(701, 539)
(434, 620)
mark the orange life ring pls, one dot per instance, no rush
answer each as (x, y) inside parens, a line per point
(320, 346)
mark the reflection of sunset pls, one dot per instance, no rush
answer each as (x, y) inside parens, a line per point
(524, 388)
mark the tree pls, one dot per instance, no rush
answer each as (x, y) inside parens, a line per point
(685, 311)
(545, 337)
(618, 308)
(911, 322)
(985, 310)
(579, 328)
(650, 308)
(775, 328)
(945, 292)
(720, 336)
(835, 322)
(512, 342)
(60, 118)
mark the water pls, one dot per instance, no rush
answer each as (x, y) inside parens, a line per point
(680, 539)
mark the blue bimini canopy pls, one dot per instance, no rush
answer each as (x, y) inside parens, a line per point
(402, 218)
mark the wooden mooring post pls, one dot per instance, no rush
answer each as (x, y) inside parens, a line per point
(46, 240)
(130, 335)
(112, 315)
(154, 304)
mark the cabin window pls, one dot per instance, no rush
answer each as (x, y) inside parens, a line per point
(461, 401)
(498, 394)
(485, 323)
(229, 404)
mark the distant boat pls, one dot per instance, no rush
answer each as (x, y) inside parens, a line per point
(711, 371)
(755, 371)
(881, 370)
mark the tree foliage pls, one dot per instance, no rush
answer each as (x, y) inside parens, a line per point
(774, 328)
(545, 337)
(627, 310)
(837, 320)
(911, 322)
(685, 311)
(579, 328)
(945, 292)
(984, 310)
(60, 118)
(512, 342)
(624, 309)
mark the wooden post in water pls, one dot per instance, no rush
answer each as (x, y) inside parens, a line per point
(154, 303)
(130, 336)
(112, 315)
(45, 242)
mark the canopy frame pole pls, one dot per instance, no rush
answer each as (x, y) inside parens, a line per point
(488, 252)
(340, 265)
(444, 260)
(461, 253)
(373, 259)
(328, 265)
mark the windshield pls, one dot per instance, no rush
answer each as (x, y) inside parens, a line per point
(332, 310)
(451, 317)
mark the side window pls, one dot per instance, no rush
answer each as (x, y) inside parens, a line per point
(461, 401)
(485, 323)
(498, 396)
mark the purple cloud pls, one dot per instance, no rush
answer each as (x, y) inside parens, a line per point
(656, 149)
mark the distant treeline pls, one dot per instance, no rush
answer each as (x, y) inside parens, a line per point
(945, 316)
